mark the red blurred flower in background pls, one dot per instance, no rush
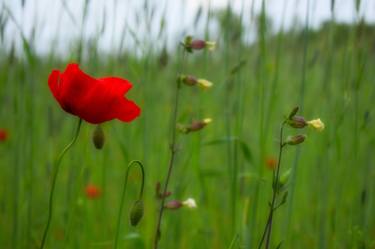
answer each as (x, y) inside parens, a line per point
(92, 191)
(271, 163)
(94, 100)
(3, 135)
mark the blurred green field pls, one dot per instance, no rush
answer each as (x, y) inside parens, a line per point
(328, 72)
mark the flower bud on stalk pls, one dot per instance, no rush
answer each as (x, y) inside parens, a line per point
(174, 204)
(98, 137)
(297, 122)
(198, 44)
(192, 81)
(294, 140)
(194, 126)
(136, 212)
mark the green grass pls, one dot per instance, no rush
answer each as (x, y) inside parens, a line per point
(329, 72)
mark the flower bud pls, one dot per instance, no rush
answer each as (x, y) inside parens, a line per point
(294, 140)
(189, 203)
(297, 122)
(98, 137)
(188, 80)
(174, 204)
(198, 44)
(293, 112)
(316, 124)
(194, 126)
(136, 212)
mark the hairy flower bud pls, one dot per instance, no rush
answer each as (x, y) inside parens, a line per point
(174, 204)
(298, 122)
(294, 140)
(136, 212)
(191, 44)
(98, 137)
(194, 126)
(188, 80)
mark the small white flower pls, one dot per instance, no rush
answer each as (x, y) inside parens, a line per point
(190, 203)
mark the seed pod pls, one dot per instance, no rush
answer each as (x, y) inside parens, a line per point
(136, 212)
(294, 140)
(98, 137)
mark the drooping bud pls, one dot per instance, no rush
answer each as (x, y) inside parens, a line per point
(284, 178)
(298, 122)
(136, 212)
(294, 140)
(189, 203)
(98, 137)
(174, 204)
(317, 124)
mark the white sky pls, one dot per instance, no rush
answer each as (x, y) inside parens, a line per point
(52, 22)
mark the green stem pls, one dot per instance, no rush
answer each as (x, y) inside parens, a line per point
(171, 160)
(53, 186)
(275, 180)
(275, 186)
(119, 219)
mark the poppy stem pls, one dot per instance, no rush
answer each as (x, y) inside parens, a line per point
(173, 150)
(53, 186)
(275, 190)
(119, 219)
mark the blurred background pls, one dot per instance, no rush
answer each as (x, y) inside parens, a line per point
(271, 55)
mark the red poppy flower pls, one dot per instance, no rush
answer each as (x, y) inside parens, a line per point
(94, 100)
(3, 135)
(92, 191)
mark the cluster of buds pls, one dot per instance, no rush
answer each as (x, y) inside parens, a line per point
(299, 122)
(195, 125)
(176, 204)
(193, 81)
(191, 44)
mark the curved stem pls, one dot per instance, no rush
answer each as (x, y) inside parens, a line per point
(119, 219)
(53, 186)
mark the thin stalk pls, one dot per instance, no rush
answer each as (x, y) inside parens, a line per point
(54, 178)
(119, 219)
(275, 188)
(171, 160)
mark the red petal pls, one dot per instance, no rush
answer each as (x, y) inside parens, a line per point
(53, 83)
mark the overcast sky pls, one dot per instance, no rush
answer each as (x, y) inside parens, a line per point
(54, 22)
